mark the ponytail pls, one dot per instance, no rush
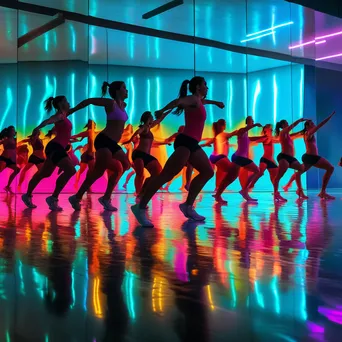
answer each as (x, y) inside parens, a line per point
(105, 86)
(183, 92)
(4, 133)
(277, 128)
(215, 128)
(48, 104)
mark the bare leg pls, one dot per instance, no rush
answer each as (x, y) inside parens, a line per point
(325, 165)
(128, 177)
(16, 170)
(301, 168)
(283, 166)
(154, 168)
(83, 167)
(188, 174)
(254, 170)
(139, 175)
(113, 179)
(23, 173)
(290, 182)
(232, 172)
(262, 169)
(68, 171)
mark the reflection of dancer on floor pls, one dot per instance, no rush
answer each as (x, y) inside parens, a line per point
(219, 157)
(311, 158)
(8, 157)
(141, 156)
(240, 160)
(267, 161)
(55, 151)
(186, 173)
(109, 155)
(187, 149)
(88, 151)
(286, 157)
(37, 157)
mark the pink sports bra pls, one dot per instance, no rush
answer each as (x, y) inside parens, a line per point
(63, 132)
(117, 113)
(194, 122)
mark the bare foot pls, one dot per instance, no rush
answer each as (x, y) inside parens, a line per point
(245, 195)
(279, 198)
(301, 194)
(324, 195)
(219, 199)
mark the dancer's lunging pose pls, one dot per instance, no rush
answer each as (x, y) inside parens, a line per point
(286, 157)
(55, 151)
(9, 155)
(109, 155)
(187, 149)
(240, 160)
(37, 157)
(311, 158)
(219, 157)
(141, 156)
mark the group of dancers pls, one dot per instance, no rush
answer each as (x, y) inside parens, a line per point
(103, 152)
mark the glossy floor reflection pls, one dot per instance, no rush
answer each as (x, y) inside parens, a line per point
(250, 273)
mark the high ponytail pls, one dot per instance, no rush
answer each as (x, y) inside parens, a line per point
(278, 126)
(215, 128)
(105, 86)
(183, 92)
(48, 104)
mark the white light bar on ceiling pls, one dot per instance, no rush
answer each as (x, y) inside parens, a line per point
(162, 9)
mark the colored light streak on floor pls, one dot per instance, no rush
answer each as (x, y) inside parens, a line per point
(250, 272)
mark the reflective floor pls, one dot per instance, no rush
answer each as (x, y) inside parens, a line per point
(250, 273)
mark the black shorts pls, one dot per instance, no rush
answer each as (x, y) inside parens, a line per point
(103, 141)
(146, 158)
(55, 152)
(86, 158)
(241, 161)
(269, 163)
(8, 161)
(35, 160)
(184, 140)
(288, 158)
(310, 159)
(215, 158)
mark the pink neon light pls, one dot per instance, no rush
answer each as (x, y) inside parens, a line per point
(329, 57)
(321, 42)
(329, 35)
(303, 44)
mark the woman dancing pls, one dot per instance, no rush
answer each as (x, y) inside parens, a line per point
(141, 156)
(187, 149)
(37, 157)
(286, 157)
(219, 157)
(55, 151)
(88, 151)
(9, 155)
(240, 160)
(109, 155)
(312, 158)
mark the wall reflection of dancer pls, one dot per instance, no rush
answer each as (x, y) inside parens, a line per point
(187, 149)
(37, 157)
(109, 155)
(55, 151)
(8, 158)
(88, 151)
(141, 156)
(219, 157)
(286, 157)
(240, 160)
(186, 173)
(311, 159)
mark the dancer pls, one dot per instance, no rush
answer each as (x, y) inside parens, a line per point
(187, 149)
(88, 151)
(311, 158)
(129, 151)
(109, 155)
(286, 157)
(267, 161)
(240, 160)
(37, 157)
(142, 158)
(219, 157)
(9, 155)
(55, 151)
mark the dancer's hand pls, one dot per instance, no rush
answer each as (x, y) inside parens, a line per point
(258, 125)
(220, 105)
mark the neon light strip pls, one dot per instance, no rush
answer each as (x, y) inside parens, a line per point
(329, 57)
(303, 44)
(321, 42)
(257, 37)
(269, 29)
(329, 35)
(317, 40)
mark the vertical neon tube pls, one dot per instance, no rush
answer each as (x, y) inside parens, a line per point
(148, 47)
(132, 91)
(149, 94)
(245, 99)
(275, 99)
(301, 91)
(230, 102)
(92, 94)
(211, 110)
(45, 96)
(9, 97)
(158, 92)
(46, 41)
(73, 100)
(73, 38)
(273, 22)
(54, 86)
(27, 102)
(255, 99)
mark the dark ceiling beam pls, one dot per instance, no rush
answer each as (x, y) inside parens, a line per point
(35, 33)
(115, 25)
(163, 8)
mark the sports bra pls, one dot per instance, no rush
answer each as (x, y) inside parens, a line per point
(37, 145)
(194, 122)
(117, 113)
(148, 135)
(63, 132)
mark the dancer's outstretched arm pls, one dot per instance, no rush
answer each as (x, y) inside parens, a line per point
(289, 128)
(320, 125)
(137, 132)
(211, 102)
(160, 117)
(95, 101)
(247, 128)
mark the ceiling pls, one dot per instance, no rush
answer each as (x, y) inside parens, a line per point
(228, 21)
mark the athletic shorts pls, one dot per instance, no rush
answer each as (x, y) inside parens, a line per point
(55, 152)
(184, 140)
(35, 160)
(8, 161)
(86, 158)
(241, 161)
(288, 158)
(215, 158)
(310, 159)
(103, 141)
(269, 163)
(146, 158)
